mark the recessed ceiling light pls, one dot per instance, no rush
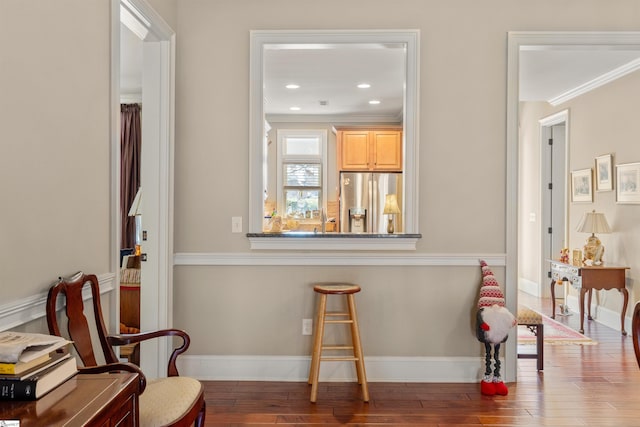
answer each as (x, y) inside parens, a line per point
(364, 85)
(294, 108)
(374, 102)
(292, 86)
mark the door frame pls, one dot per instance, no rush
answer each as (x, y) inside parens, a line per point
(546, 206)
(517, 40)
(158, 124)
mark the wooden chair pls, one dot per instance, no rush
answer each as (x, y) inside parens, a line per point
(171, 401)
(635, 331)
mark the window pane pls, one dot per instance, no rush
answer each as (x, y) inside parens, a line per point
(302, 174)
(297, 202)
(301, 145)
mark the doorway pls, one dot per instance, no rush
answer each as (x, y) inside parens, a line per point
(554, 145)
(158, 70)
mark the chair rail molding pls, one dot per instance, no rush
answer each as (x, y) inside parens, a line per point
(28, 309)
(335, 258)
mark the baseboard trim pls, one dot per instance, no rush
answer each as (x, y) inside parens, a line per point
(296, 369)
(529, 286)
(602, 315)
(25, 310)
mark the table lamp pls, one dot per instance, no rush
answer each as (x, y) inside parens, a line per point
(593, 222)
(391, 208)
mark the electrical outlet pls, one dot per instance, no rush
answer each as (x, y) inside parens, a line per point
(236, 224)
(307, 326)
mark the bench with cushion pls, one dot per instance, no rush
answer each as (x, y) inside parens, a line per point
(533, 321)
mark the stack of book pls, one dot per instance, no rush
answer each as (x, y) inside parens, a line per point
(31, 364)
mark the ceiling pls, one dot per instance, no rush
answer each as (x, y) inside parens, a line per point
(549, 72)
(130, 63)
(328, 76)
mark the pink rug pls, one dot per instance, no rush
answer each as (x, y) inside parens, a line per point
(555, 333)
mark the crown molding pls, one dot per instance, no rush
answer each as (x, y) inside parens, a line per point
(602, 80)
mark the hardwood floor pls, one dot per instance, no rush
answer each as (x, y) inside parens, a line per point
(594, 385)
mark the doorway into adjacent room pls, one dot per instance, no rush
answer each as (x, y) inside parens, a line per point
(156, 58)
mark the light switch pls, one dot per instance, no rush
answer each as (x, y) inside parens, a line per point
(236, 224)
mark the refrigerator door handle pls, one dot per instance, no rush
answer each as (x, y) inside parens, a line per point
(373, 204)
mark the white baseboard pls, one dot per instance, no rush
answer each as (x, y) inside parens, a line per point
(529, 286)
(296, 368)
(602, 315)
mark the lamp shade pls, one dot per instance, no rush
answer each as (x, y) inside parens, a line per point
(593, 222)
(136, 205)
(391, 205)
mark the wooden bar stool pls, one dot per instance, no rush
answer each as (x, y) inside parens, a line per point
(323, 317)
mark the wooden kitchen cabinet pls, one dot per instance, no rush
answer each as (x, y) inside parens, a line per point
(370, 150)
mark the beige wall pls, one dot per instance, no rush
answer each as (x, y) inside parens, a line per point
(529, 193)
(55, 71)
(54, 154)
(603, 121)
(461, 167)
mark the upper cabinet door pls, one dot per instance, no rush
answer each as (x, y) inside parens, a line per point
(354, 152)
(387, 150)
(370, 150)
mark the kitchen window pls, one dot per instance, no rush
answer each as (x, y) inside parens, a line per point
(302, 165)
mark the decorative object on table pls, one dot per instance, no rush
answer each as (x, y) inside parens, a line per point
(494, 322)
(564, 255)
(33, 364)
(18, 348)
(628, 188)
(577, 257)
(391, 208)
(276, 224)
(37, 385)
(604, 173)
(593, 222)
(581, 186)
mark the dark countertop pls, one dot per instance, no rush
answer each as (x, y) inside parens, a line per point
(306, 234)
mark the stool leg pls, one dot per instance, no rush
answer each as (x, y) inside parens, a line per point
(357, 348)
(314, 370)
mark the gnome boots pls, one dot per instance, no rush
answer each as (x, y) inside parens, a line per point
(491, 386)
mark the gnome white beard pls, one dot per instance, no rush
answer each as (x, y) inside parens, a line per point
(500, 321)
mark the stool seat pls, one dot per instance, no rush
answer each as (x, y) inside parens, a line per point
(349, 318)
(336, 288)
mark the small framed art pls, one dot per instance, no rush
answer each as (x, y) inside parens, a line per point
(604, 173)
(628, 177)
(581, 186)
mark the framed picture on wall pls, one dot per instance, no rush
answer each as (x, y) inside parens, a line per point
(581, 186)
(604, 173)
(628, 177)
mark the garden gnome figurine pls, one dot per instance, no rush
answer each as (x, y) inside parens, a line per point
(494, 322)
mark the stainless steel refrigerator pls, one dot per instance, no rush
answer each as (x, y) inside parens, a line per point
(362, 198)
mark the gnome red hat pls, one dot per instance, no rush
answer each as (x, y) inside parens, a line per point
(490, 292)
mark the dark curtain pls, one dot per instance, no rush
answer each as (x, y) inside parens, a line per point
(130, 150)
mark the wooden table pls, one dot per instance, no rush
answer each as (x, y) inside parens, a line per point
(83, 400)
(587, 278)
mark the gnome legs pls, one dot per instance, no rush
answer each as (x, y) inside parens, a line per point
(492, 382)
